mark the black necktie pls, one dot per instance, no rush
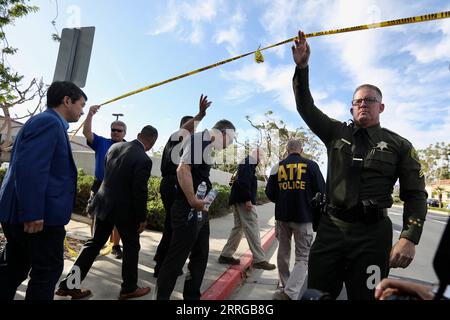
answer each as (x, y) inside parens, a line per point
(360, 149)
(361, 141)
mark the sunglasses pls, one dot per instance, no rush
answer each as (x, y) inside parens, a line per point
(117, 130)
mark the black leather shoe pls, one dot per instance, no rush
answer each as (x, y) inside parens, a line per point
(117, 252)
(229, 260)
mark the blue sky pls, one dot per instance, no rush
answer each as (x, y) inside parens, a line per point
(141, 42)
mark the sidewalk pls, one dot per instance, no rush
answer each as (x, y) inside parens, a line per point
(104, 278)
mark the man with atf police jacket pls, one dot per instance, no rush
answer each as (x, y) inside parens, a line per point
(354, 239)
(291, 186)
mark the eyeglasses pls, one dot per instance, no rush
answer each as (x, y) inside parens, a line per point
(116, 130)
(368, 101)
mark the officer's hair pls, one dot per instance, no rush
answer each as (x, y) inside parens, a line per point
(294, 145)
(119, 123)
(60, 89)
(149, 133)
(369, 86)
(224, 125)
(185, 119)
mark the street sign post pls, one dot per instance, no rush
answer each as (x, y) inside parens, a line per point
(74, 55)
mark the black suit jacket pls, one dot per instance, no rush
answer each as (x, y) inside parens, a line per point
(122, 197)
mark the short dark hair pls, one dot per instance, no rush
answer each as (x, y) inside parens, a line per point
(368, 86)
(149, 133)
(224, 125)
(60, 89)
(185, 119)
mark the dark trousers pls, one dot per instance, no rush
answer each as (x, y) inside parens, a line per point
(347, 253)
(189, 237)
(42, 253)
(168, 191)
(130, 239)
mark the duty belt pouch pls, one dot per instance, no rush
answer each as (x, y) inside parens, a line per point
(370, 211)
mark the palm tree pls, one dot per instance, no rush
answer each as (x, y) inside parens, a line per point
(439, 190)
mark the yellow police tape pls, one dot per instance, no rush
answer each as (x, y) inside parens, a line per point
(72, 252)
(259, 58)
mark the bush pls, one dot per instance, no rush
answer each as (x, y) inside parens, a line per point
(2, 174)
(220, 205)
(156, 213)
(84, 184)
(261, 197)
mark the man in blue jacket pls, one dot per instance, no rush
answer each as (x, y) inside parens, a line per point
(37, 196)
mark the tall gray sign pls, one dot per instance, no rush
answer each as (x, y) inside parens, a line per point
(74, 55)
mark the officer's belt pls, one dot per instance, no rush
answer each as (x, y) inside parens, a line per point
(358, 213)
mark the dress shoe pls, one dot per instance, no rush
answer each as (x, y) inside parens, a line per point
(280, 295)
(229, 260)
(74, 293)
(139, 292)
(264, 265)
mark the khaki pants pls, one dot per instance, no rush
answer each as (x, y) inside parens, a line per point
(292, 282)
(245, 222)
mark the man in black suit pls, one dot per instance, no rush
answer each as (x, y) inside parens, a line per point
(122, 202)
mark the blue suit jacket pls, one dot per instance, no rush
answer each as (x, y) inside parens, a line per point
(41, 180)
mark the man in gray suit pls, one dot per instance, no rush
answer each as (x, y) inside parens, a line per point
(122, 202)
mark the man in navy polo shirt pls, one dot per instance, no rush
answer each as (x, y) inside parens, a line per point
(101, 146)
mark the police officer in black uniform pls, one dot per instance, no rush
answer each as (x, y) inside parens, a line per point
(190, 223)
(354, 240)
(169, 163)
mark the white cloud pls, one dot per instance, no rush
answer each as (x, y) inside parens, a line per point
(232, 34)
(186, 19)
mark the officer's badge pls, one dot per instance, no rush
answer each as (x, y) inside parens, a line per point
(381, 145)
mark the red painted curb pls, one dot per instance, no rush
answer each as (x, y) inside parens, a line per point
(224, 286)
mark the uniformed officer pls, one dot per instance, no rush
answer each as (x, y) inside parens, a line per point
(354, 239)
(292, 185)
(169, 163)
(190, 229)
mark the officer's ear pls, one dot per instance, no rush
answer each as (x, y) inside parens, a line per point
(381, 107)
(351, 110)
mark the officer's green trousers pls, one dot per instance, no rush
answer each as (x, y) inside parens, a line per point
(356, 254)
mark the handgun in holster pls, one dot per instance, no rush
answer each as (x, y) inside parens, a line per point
(319, 207)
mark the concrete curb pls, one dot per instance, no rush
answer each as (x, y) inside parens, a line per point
(225, 285)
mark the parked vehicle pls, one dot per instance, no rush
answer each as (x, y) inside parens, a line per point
(433, 203)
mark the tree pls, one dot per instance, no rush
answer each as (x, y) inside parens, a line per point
(12, 92)
(439, 191)
(435, 160)
(273, 136)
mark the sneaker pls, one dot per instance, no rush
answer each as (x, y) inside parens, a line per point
(264, 265)
(229, 260)
(106, 249)
(280, 295)
(117, 252)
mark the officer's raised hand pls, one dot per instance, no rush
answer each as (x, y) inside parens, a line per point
(203, 105)
(402, 253)
(301, 51)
